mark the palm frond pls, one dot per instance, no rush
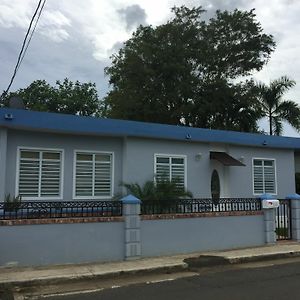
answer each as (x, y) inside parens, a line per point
(277, 125)
(282, 85)
(158, 189)
(289, 111)
(273, 107)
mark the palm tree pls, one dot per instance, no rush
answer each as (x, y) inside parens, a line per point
(274, 108)
(158, 190)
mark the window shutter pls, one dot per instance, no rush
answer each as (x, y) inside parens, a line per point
(50, 178)
(103, 174)
(178, 172)
(171, 168)
(29, 174)
(39, 174)
(163, 168)
(258, 180)
(264, 176)
(93, 175)
(269, 176)
(84, 175)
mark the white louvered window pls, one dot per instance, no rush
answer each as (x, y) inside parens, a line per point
(171, 168)
(39, 174)
(264, 176)
(93, 175)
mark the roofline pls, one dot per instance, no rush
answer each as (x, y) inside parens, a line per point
(92, 126)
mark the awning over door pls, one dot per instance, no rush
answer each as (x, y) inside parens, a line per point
(225, 159)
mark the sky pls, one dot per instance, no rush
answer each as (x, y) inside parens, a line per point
(76, 38)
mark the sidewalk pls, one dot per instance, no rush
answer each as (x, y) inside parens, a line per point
(29, 276)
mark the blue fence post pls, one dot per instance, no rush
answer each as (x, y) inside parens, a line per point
(295, 215)
(131, 213)
(269, 220)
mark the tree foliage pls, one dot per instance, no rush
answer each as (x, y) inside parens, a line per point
(65, 97)
(157, 190)
(182, 72)
(275, 108)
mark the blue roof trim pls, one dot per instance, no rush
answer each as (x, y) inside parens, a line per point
(62, 123)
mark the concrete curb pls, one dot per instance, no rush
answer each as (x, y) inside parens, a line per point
(61, 279)
(257, 258)
(187, 264)
(215, 260)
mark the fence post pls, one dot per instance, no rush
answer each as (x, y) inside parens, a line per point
(3, 153)
(295, 215)
(269, 220)
(131, 213)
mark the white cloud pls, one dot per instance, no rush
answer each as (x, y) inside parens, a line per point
(53, 23)
(12, 17)
(101, 23)
(96, 27)
(282, 20)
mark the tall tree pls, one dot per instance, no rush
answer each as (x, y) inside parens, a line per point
(65, 97)
(225, 106)
(174, 73)
(275, 108)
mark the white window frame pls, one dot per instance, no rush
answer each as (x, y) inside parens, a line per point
(173, 156)
(61, 182)
(74, 175)
(275, 172)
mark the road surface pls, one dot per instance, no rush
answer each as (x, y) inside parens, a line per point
(275, 280)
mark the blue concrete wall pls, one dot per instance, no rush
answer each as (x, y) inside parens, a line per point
(69, 144)
(235, 181)
(32, 245)
(134, 162)
(163, 237)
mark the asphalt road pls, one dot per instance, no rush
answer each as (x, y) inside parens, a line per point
(280, 281)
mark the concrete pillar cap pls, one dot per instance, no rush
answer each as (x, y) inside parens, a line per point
(294, 196)
(266, 196)
(130, 199)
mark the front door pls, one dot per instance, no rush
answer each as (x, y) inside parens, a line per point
(215, 186)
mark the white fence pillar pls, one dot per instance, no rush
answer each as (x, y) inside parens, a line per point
(131, 213)
(295, 215)
(3, 152)
(270, 220)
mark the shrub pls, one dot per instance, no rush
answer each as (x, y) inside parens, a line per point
(11, 203)
(158, 190)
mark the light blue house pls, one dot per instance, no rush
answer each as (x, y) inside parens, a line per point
(47, 156)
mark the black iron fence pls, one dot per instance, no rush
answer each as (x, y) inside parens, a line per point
(85, 209)
(184, 206)
(283, 220)
(59, 209)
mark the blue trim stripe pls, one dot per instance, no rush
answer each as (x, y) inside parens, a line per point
(70, 124)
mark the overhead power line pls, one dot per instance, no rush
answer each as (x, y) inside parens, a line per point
(25, 43)
(32, 32)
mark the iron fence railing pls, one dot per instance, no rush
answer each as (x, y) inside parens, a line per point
(85, 209)
(283, 220)
(59, 209)
(184, 206)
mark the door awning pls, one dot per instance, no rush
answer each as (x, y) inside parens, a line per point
(225, 159)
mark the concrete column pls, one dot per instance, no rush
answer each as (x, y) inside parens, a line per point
(124, 164)
(269, 218)
(131, 213)
(3, 152)
(295, 215)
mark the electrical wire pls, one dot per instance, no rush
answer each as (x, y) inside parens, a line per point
(24, 45)
(32, 32)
